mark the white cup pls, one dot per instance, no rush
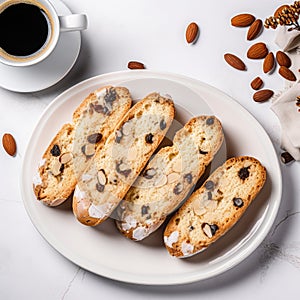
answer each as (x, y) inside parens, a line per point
(55, 25)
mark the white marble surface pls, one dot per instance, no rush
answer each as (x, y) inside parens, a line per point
(151, 32)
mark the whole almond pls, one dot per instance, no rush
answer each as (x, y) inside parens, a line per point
(269, 63)
(263, 95)
(242, 20)
(287, 73)
(254, 30)
(191, 33)
(283, 59)
(9, 144)
(135, 65)
(257, 51)
(234, 61)
(256, 83)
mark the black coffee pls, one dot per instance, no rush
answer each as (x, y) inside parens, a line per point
(23, 29)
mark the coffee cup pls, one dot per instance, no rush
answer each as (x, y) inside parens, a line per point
(31, 29)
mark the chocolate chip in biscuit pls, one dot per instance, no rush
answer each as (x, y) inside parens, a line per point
(110, 96)
(145, 209)
(209, 195)
(238, 202)
(119, 135)
(62, 167)
(209, 185)
(162, 124)
(244, 173)
(101, 109)
(94, 138)
(99, 187)
(203, 152)
(188, 177)
(210, 121)
(123, 169)
(55, 151)
(178, 189)
(209, 229)
(149, 138)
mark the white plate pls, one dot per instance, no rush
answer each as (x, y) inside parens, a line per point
(48, 72)
(102, 249)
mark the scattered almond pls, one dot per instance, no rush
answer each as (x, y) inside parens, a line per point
(254, 30)
(256, 83)
(191, 33)
(257, 51)
(9, 144)
(263, 95)
(234, 61)
(287, 73)
(269, 63)
(135, 65)
(242, 20)
(283, 59)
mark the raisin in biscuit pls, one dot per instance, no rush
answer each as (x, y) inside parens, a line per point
(72, 148)
(169, 177)
(213, 209)
(114, 169)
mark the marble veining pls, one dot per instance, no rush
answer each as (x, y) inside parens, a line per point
(272, 251)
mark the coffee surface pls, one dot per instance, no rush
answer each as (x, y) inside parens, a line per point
(23, 29)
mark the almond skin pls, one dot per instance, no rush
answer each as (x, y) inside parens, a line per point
(191, 33)
(242, 20)
(269, 63)
(234, 61)
(135, 65)
(287, 73)
(254, 30)
(9, 144)
(257, 51)
(263, 95)
(283, 59)
(256, 83)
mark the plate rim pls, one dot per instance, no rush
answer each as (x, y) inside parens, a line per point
(129, 278)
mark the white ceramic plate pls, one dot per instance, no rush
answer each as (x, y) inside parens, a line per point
(102, 249)
(48, 72)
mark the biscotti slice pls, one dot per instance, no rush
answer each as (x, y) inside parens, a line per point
(214, 208)
(71, 150)
(95, 119)
(55, 178)
(169, 177)
(114, 169)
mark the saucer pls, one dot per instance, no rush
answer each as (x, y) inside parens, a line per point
(48, 72)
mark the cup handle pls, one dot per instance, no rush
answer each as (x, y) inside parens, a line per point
(73, 22)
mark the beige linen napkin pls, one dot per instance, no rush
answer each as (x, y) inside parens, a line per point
(287, 40)
(287, 112)
(284, 105)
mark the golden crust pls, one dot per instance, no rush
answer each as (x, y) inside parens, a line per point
(234, 185)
